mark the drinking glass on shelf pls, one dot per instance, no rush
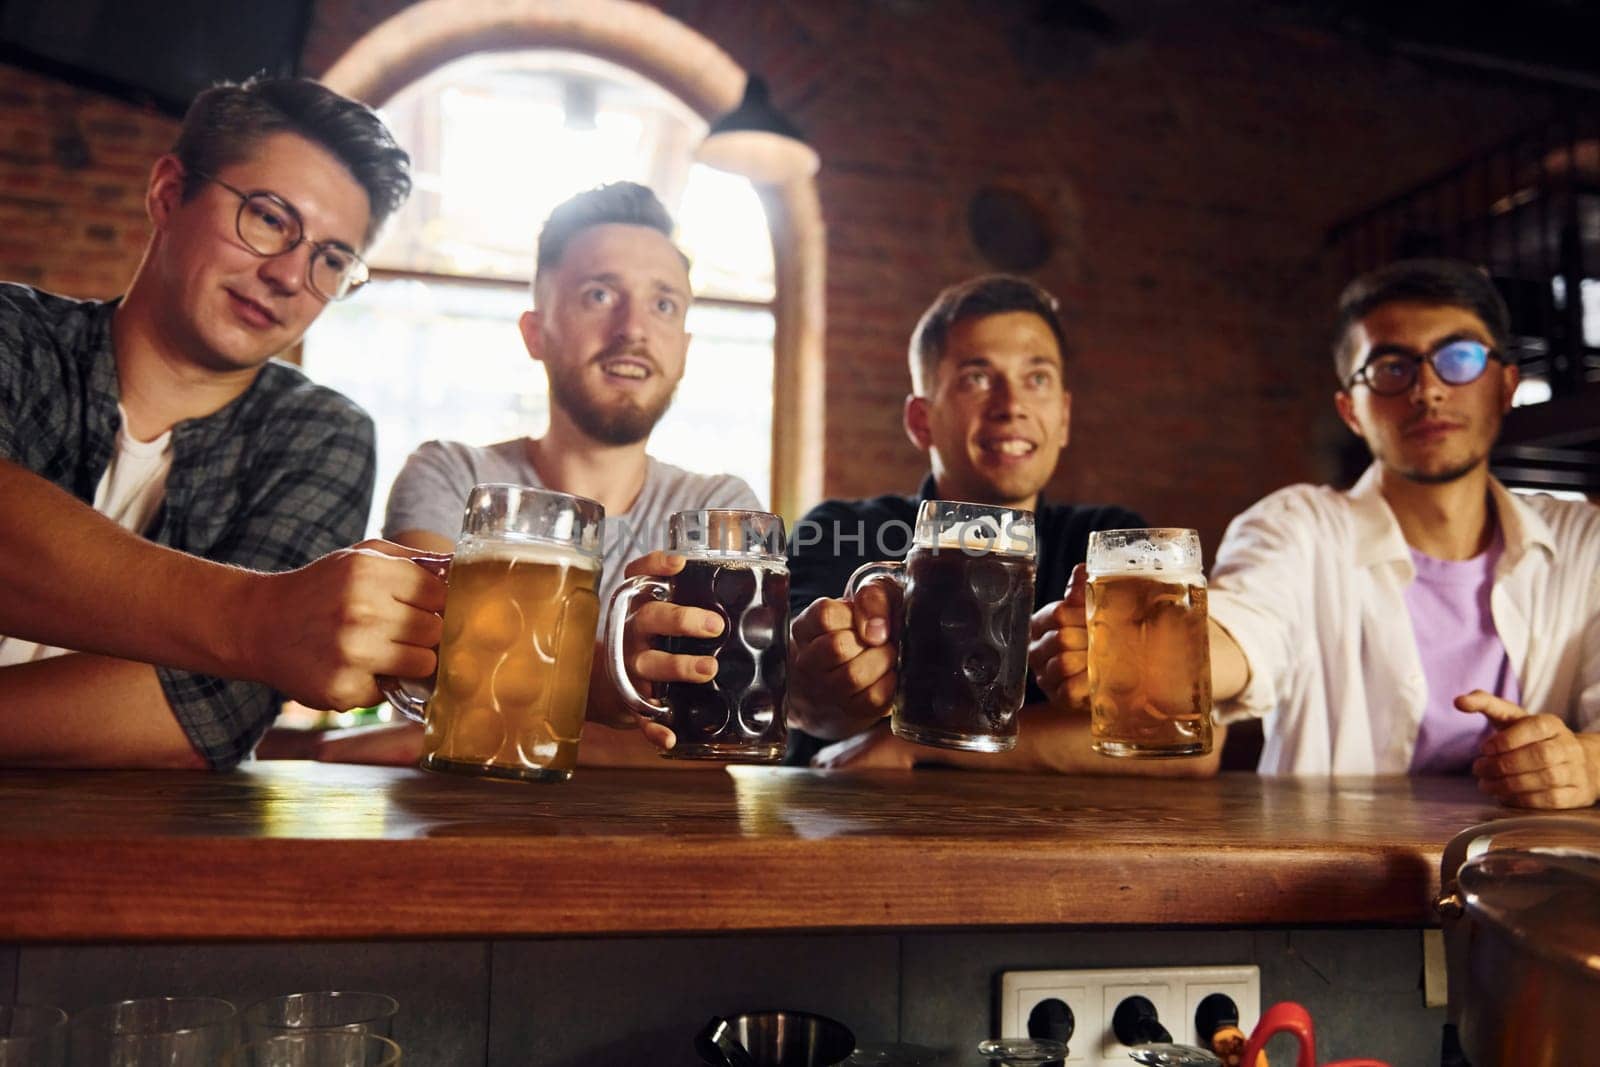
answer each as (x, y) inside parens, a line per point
(154, 1032)
(1024, 1052)
(352, 1012)
(316, 1048)
(893, 1055)
(32, 1035)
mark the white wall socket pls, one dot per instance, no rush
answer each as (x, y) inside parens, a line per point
(1094, 995)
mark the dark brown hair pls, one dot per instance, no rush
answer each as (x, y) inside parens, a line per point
(619, 203)
(1450, 282)
(977, 298)
(227, 122)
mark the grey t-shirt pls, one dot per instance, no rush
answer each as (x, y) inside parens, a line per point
(432, 489)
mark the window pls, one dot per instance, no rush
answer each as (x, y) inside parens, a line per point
(431, 348)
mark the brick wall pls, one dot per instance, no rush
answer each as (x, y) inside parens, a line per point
(73, 166)
(1189, 172)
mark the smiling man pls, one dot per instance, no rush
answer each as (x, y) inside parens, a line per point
(159, 421)
(1427, 621)
(611, 296)
(990, 408)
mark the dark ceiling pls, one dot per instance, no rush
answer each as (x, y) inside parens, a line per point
(1553, 41)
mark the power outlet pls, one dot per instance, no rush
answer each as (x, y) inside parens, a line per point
(1094, 995)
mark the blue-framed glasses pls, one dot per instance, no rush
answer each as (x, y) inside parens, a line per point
(1390, 370)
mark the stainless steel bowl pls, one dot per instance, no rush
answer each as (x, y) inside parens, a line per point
(793, 1038)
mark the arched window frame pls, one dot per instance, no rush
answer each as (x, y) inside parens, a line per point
(429, 34)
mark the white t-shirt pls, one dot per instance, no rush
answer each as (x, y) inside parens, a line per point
(129, 494)
(1311, 583)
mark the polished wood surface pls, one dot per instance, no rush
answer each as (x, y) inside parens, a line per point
(306, 850)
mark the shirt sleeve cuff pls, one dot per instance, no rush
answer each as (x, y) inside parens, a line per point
(222, 718)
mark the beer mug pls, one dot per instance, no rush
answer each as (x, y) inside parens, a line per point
(968, 585)
(734, 566)
(1149, 650)
(519, 625)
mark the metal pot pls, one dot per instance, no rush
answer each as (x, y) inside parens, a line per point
(1521, 913)
(777, 1039)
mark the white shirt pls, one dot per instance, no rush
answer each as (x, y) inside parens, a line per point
(135, 482)
(129, 494)
(1310, 582)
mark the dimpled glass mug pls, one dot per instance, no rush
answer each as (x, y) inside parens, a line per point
(734, 566)
(964, 645)
(519, 626)
(1149, 649)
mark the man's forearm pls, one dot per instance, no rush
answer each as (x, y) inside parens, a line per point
(1230, 671)
(73, 578)
(89, 711)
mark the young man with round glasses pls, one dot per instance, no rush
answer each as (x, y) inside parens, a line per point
(176, 497)
(1427, 621)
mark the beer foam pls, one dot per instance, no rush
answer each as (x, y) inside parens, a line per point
(480, 549)
(733, 559)
(978, 536)
(1167, 554)
(1145, 561)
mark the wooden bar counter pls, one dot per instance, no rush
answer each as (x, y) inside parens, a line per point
(285, 850)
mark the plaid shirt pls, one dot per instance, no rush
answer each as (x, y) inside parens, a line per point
(278, 477)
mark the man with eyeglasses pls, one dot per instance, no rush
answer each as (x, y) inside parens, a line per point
(174, 496)
(1427, 621)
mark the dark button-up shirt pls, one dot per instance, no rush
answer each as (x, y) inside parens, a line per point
(838, 536)
(281, 475)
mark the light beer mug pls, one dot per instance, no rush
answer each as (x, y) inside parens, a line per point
(968, 585)
(519, 625)
(1149, 651)
(734, 565)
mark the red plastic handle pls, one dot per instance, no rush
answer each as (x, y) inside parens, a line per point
(1285, 1016)
(1291, 1017)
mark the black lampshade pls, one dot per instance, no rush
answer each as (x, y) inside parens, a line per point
(758, 141)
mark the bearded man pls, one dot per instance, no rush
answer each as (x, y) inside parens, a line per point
(611, 293)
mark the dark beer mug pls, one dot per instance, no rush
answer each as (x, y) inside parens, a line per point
(968, 586)
(734, 565)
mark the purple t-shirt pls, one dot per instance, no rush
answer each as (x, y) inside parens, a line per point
(1449, 606)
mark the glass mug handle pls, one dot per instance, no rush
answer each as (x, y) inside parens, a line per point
(616, 665)
(896, 571)
(410, 696)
